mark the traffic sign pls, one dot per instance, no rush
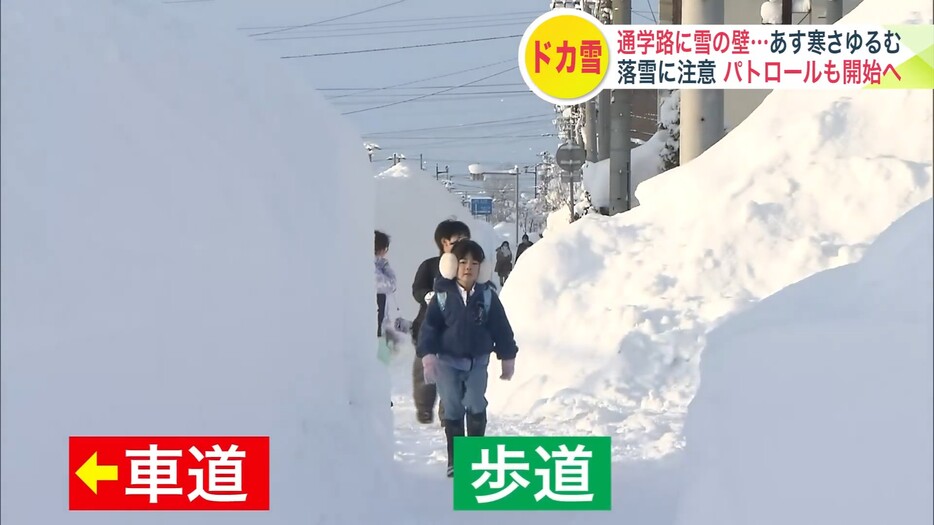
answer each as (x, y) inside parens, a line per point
(481, 205)
(570, 157)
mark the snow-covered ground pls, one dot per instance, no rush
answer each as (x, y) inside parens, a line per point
(611, 314)
(815, 406)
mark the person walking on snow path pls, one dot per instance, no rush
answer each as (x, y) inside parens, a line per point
(425, 394)
(385, 279)
(523, 246)
(464, 323)
(503, 262)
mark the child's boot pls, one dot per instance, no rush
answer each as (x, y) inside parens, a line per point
(423, 394)
(452, 429)
(476, 424)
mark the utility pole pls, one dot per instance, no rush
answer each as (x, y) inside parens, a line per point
(620, 125)
(669, 13)
(834, 11)
(590, 129)
(571, 133)
(590, 112)
(701, 109)
(535, 173)
(603, 125)
(516, 241)
(787, 8)
(370, 148)
(603, 102)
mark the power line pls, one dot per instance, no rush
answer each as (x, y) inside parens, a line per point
(377, 33)
(434, 100)
(370, 10)
(645, 17)
(448, 112)
(467, 94)
(498, 84)
(536, 129)
(469, 124)
(392, 22)
(435, 77)
(441, 143)
(471, 161)
(433, 44)
(649, 4)
(380, 26)
(480, 137)
(431, 94)
(528, 124)
(503, 130)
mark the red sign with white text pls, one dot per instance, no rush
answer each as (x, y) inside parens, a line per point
(168, 473)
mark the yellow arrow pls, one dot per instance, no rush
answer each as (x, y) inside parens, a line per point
(90, 473)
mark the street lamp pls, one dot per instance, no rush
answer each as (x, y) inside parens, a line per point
(539, 171)
(370, 148)
(477, 171)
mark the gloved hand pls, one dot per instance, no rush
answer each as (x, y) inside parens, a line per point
(430, 367)
(509, 368)
(403, 325)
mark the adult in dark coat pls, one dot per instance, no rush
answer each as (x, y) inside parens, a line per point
(425, 395)
(503, 262)
(523, 246)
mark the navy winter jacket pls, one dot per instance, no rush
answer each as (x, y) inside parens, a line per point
(466, 330)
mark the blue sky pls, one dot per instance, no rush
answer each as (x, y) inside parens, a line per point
(494, 121)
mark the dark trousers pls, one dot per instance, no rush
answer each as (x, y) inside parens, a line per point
(380, 313)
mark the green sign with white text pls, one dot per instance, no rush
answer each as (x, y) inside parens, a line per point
(532, 473)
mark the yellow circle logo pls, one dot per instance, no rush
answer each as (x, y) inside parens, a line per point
(564, 56)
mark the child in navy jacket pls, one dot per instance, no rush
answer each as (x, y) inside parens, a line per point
(465, 322)
(447, 233)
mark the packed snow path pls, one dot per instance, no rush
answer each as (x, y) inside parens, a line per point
(642, 490)
(418, 445)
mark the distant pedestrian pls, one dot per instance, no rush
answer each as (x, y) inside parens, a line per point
(385, 278)
(523, 246)
(503, 262)
(385, 283)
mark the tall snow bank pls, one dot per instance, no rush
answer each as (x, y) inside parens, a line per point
(816, 405)
(409, 206)
(173, 262)
(611, 313)
(646, 162)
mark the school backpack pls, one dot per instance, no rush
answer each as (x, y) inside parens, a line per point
(442, 298)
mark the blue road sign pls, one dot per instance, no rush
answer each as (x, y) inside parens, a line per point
(481, 205)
